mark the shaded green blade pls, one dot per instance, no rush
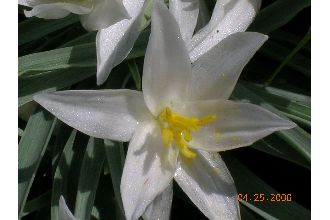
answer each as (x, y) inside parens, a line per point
(35, 28)
(30, 151)
(277, 14)
(91, 168)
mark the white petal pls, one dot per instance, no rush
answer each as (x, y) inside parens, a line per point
(167, 68)
(229, 16)
(56, 10)
(114, 43)
(23, 2)
(208, 183)
(149, 169)
(64, 212)
(237, 124)
(216, 72)
(111, 114)
(186, 14)
(104, 14)
(160, 208)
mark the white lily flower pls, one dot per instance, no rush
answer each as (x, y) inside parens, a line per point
(64, 212)
(94, 14)
(172, 134)
(228, 17)
(117, 22)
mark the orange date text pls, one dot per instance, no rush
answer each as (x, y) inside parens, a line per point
(262, 197)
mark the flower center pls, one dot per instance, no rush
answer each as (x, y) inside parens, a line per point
(178, 128)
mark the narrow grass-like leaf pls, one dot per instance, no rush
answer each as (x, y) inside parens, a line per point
(38, 203)
(83, 55)
(301, 44)
(277, 52)
(30, 151)
(91, 167)
(61, 174)
(260, 212)
(116, 159)
(295, 106)
(279, 148)
(296, 137)
(289, 38)
(83, 39)
(140, 45)
(249, 183)
(66, 176)
(50, 81)
(134, 70)
(60, 142)
(35, 28)
(277, 14)
(146, 18)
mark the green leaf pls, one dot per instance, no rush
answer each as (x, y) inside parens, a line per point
(38, 203)
(249, 183)
(83, 39)
(279, 148)
(146, 18)
(35, 28)
(301, 44)
(260, 212)
(296, 137)
(289, 38)
(134, 70)
(116, 159)
(91, 168)
(83, 55)
(295, 106)
(31, 149)
(61, 174)
(66, 175)
(277, 14)
(277, 52)
(50, 81)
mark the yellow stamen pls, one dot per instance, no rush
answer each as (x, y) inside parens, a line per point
(167, 136)
(178, 128)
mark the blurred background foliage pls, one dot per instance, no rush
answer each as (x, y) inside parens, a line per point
(55, 159)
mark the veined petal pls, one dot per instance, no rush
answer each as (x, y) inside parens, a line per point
(167, 68)
(229, 16)
(208, 183)
(104, 14)
(114, 43)
(186, 14)
(236, 125)
(64, 212)
(160, 208)
(56, 10)
(216, 72)
(111, 114)
(149, 169)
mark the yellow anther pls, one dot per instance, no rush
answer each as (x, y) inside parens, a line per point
(207, 119)
(167, 136)
(188, 153)
(179, 127)
(187, 135)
